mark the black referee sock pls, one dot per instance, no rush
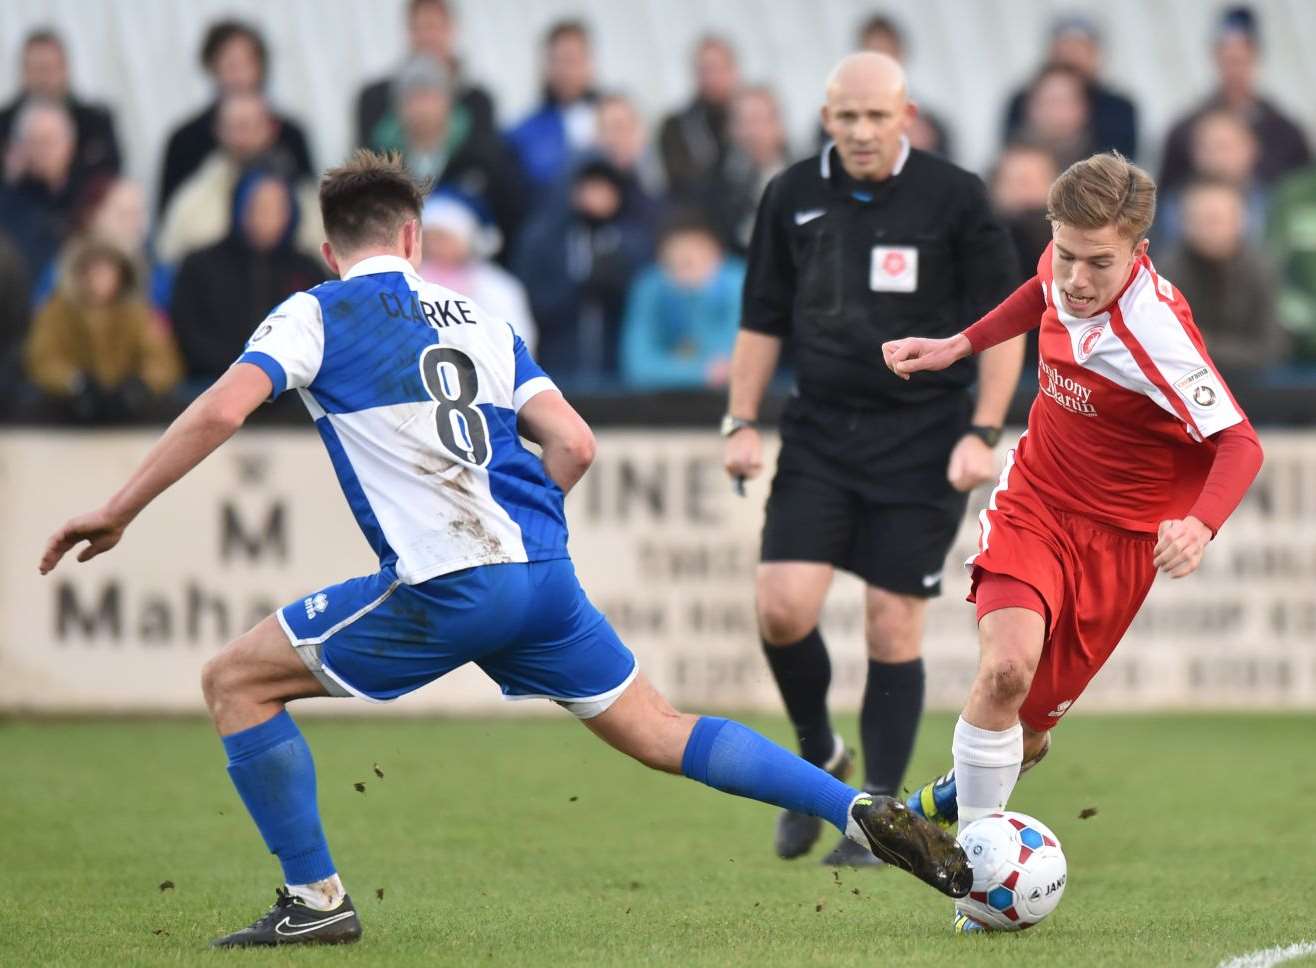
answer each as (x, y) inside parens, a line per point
(803, 672)
(888, 722)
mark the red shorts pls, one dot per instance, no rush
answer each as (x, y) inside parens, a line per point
(1092, 577)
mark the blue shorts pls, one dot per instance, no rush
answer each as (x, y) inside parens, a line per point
(529, 626)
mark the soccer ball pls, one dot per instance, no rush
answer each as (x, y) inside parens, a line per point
(1019, 871)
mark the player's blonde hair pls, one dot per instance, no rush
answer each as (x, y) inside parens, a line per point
(1105, 189)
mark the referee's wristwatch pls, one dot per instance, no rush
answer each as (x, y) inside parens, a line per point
(731, 424)
(990, 436)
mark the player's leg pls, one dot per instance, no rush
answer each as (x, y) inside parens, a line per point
(937, 799)
(989, 734)
(570, 654)
(988, 745)
(734, 759)
(246, 687)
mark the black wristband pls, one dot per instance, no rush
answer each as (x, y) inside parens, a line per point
(990, 436)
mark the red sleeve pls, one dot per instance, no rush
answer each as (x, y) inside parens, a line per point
(1021, 311)
(1237, 460)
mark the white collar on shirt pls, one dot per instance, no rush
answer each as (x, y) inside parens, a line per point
(825, 164)
(381, 263)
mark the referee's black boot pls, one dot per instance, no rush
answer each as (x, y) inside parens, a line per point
(798, 832)
(291, 921)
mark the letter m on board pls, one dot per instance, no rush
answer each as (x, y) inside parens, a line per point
(272, 536)
(103, 618)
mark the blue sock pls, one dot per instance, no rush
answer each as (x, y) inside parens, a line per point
(734, 759)
(272, 768)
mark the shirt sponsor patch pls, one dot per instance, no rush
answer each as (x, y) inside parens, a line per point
(894, 269)
(1199, 388)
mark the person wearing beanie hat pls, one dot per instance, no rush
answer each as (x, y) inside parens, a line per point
(1236, 46)
(439, 144)
(1076, 43)
(431, 30)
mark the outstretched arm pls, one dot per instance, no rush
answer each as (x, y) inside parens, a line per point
(212, 418)
(1020, 312)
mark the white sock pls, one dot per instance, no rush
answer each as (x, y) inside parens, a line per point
(986, 768)
(323, 895)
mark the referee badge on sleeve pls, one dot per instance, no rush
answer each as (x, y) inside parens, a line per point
(894, 269)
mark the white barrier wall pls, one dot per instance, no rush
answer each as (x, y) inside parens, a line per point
(661, 543)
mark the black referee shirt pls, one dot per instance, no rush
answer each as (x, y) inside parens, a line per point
(839, 266)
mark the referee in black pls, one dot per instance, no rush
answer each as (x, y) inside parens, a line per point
(868, 242)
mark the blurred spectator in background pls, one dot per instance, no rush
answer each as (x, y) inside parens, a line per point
(454, 155)
(455, 250)
(431, 31)
(759, 150)
(1020, 182)
(683, 313)
(1283, 147)
(1076, 43)
(41, 190)
(1223, 148)
(1226, 279)
(15, 315)
(927, 130)
(46, 77)
(224, 290)
(1057, 115)
(96, 349)
(623, 141)
(1291, 234)
(577, 262)
(693, 141)
(565, 123)
(114, 210)
(235, 56)
(199, 213)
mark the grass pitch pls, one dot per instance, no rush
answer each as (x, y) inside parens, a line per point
(530, 843)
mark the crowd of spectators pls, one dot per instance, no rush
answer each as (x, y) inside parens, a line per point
(612, 246)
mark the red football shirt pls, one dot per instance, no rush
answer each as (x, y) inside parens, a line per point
(1128, 400)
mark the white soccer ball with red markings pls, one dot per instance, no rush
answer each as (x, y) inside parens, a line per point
(1019, 871)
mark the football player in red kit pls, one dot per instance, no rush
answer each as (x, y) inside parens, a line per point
(1134, 456)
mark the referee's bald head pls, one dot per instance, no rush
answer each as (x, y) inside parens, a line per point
(867, 113)
(867, 70)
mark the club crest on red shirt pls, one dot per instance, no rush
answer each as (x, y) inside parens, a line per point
(1088, 341)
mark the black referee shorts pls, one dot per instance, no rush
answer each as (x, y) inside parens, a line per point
(866, 491)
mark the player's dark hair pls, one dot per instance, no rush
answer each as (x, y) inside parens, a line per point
(222, 31)
(566, 28)
(367, 200)
(1105, 189)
